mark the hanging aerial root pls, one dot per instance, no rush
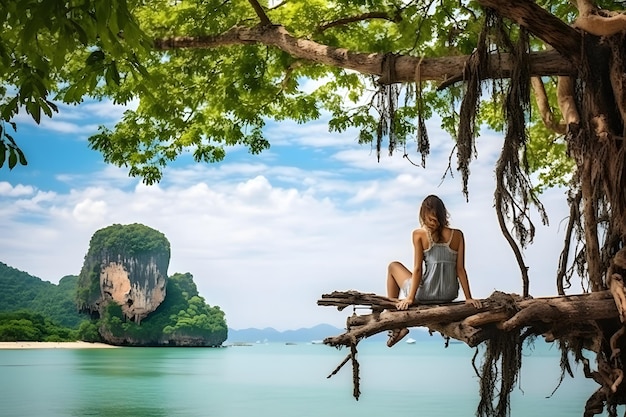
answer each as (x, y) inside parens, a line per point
(615, 351)
(609, 376)
(499, 373)
(615, 282)
(356, 380)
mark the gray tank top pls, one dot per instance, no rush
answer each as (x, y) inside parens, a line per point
(439, 280)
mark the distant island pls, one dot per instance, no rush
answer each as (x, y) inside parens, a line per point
(122, 297)
(48, 312)
(315, 334)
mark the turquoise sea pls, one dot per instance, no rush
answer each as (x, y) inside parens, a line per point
(272, 380)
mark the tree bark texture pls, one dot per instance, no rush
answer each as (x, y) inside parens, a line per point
(541, 23)
(463, 322)
(406, 67)
(588, 321)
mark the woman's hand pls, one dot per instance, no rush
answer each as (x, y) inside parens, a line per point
(404, 304)
(475, 303)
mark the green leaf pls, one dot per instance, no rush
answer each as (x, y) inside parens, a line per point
(34, 110)
(95, 58)
(21, 156)
(9, 109)
(111, 75)
(12, 158)
(3, 152)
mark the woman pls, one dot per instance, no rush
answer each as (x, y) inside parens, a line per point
(438, 267)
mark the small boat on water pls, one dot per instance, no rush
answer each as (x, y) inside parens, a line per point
(410, 341)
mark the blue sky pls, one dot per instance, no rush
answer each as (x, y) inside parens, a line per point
(263, 235)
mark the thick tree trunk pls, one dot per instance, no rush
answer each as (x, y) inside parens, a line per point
(587, 321)
(541, 23)
(460, 321)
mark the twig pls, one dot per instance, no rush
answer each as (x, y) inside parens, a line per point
(340, 365)
(265, 21)
(365, 16)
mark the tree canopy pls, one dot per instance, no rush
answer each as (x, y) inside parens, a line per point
(210, 74)
(202, 75)
(21, 291)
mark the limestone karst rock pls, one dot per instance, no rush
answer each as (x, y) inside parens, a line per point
(126, 264)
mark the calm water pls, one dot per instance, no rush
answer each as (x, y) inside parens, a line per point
(271, 380)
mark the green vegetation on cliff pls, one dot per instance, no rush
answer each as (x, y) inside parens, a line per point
(117, 243)
(36, 310)
(191, 316)
(131, 240)
(182, 319)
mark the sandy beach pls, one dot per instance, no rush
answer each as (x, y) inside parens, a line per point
(54, 345)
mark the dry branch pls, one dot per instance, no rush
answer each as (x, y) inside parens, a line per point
(503, 323)
(463, 321)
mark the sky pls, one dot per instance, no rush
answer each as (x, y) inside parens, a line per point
(264, 236)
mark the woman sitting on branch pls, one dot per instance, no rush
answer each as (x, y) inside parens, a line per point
(438, 267)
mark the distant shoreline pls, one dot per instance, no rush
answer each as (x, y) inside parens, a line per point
(54, 345)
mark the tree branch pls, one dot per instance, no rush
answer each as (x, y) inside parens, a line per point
(597, 21)
(464, 322)
(541, 23)
(365, 16)
(265, 21)
(543, 105)
(431, 69)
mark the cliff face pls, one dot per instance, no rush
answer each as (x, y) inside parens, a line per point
(137, 284)
(127, 265)
(123, 284)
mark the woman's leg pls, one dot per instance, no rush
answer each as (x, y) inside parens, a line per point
(397, 274)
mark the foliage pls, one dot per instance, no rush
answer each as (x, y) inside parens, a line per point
(117, 242)
(198, 318)
(39, 44)
(24, 325)
(36, 310)
(202, 100)
(19, 290)
(131, 240)
(182, 314)
(88, 332)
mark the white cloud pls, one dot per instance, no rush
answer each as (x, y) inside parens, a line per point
(7, 190)
(89, 211)
(265, 241)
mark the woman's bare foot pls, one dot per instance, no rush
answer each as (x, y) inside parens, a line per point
(396, 335)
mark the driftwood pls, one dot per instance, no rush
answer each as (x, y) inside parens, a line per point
(576, 322)
(503, 312)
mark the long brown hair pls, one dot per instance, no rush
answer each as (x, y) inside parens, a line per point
(433, 204)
